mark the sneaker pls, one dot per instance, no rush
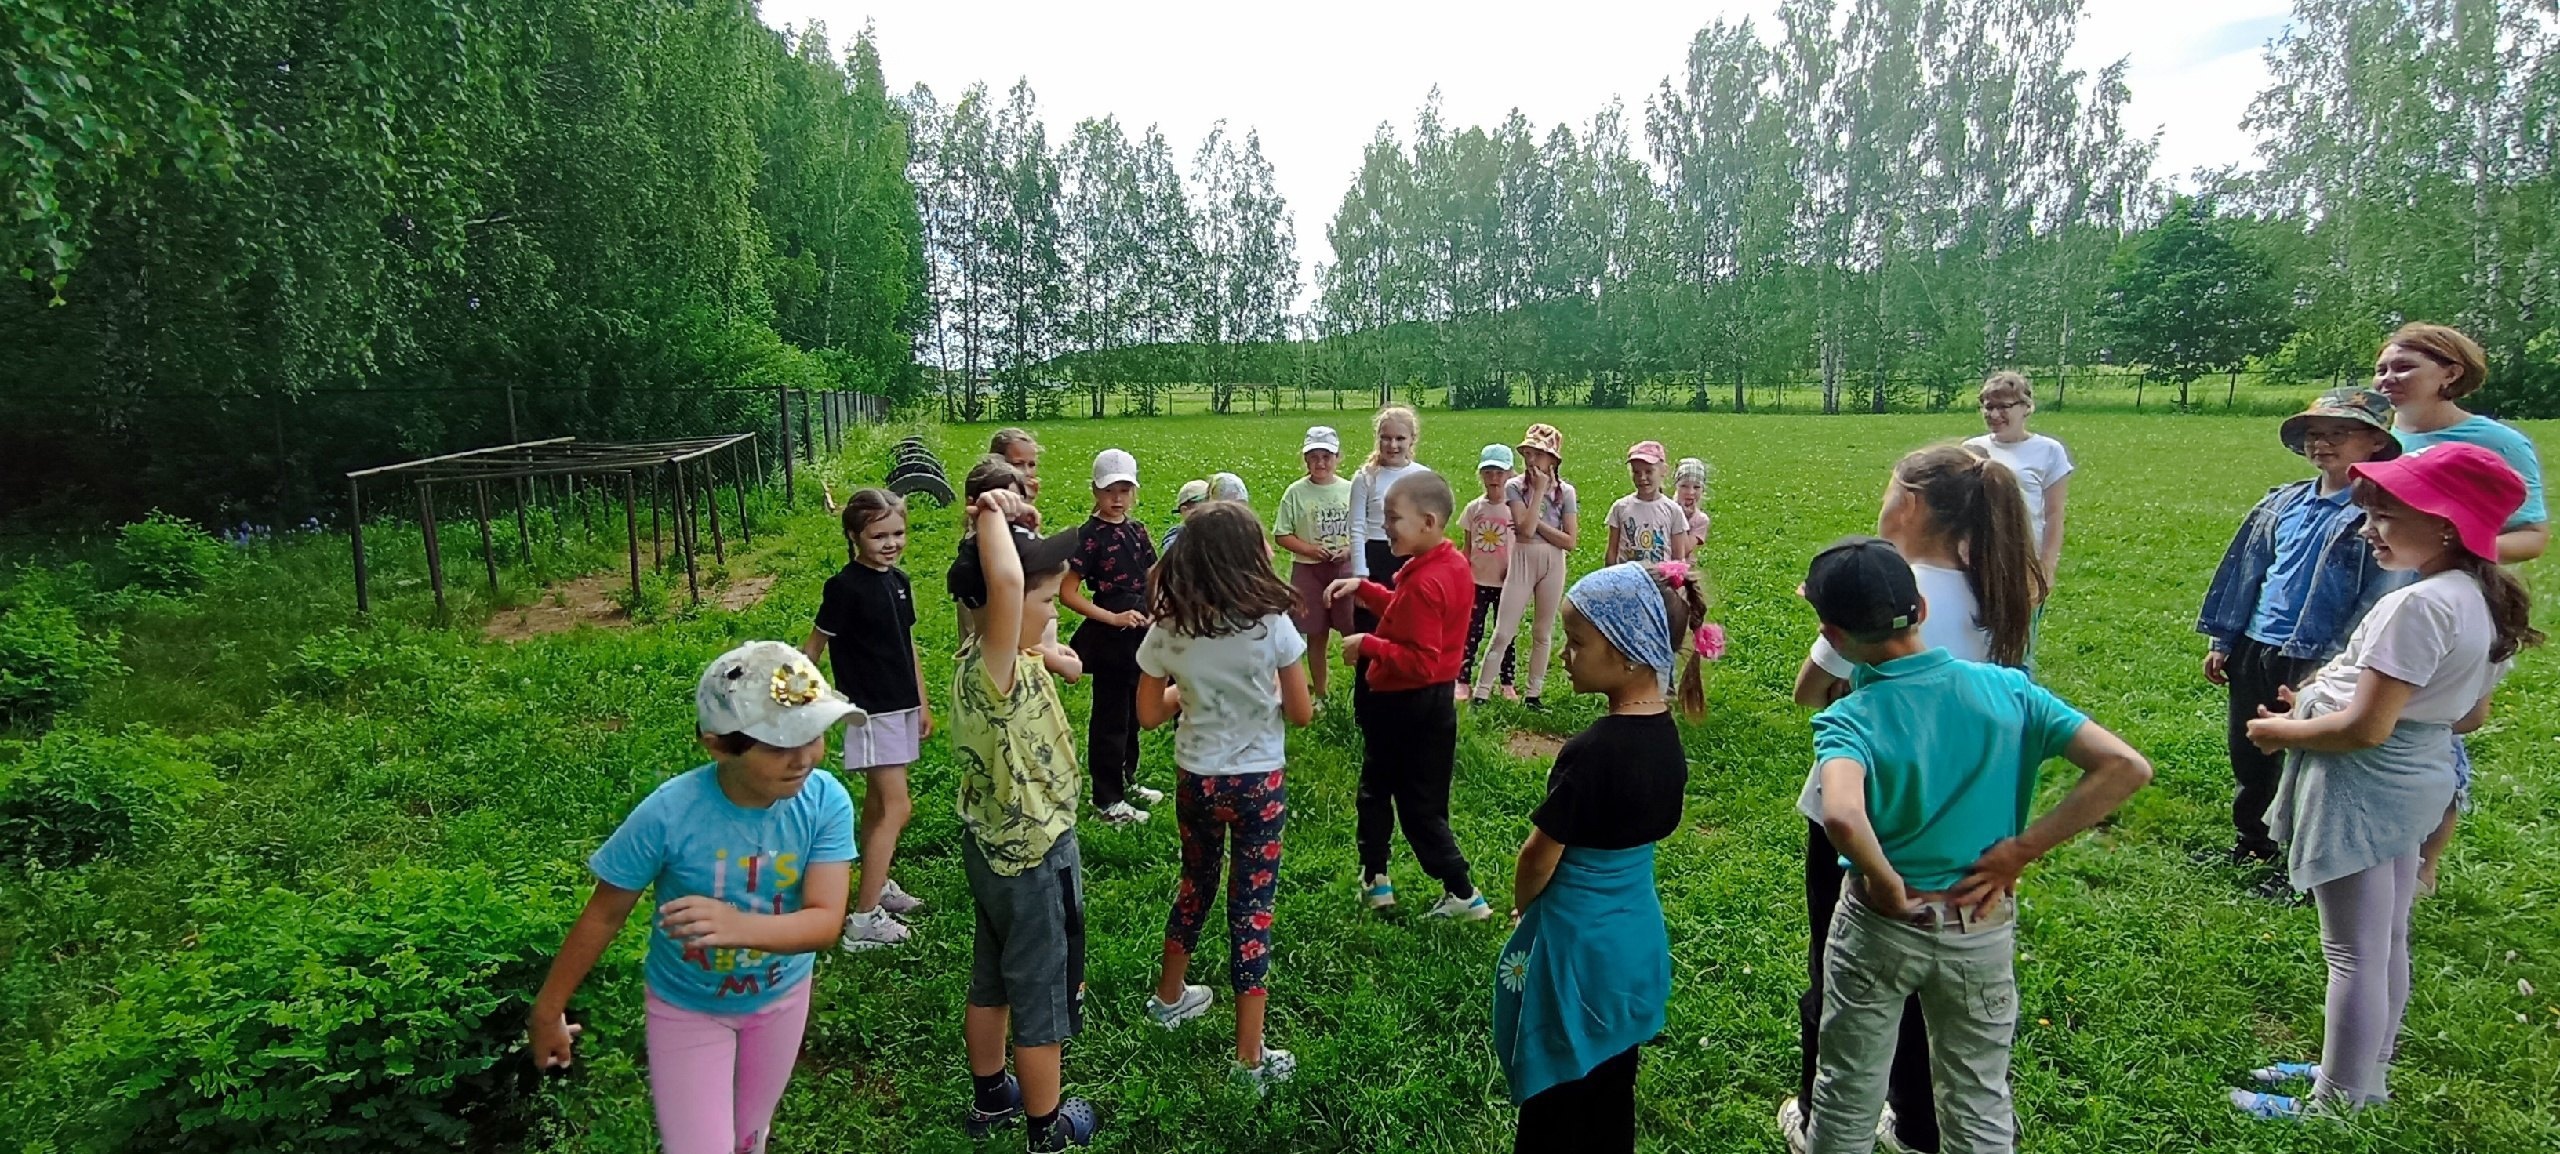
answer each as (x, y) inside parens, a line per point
(2283, 1072)
(898, 901)
(2269, 1107)
(1469, 909)
(1536, 703)
(1277, 1065)
(1149, 796)
(1791, 1126)
(1380, 893)
(1193, 1003)
(984, 1122)
(871, 930)
(1074, 1126)
(1122, 813)
(1886, 1138)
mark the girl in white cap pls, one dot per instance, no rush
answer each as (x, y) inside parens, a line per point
(1313, 526)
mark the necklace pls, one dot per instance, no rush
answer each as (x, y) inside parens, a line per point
(1622, 707)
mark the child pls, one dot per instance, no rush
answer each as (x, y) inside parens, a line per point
(1959, 521)
(1397, 431)
(867, 614)
(1546, 519)
(1313, 526)
(1224, 656)
(1589, 918)
(1113, 561)
(1645, 525)
(1928, 771)
(2294, 582)
(1228, 487)
(1690, 488)
(750, 857)
(1408, 720)
(1020, 451)
(1185, 499)
(966, 582)
(1018, 814)
(1486, 528)
(2043, 466)
(2372, 741)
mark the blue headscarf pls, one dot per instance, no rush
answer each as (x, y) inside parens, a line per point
(1625, 603)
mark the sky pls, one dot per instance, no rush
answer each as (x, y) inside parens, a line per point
(1317, 77)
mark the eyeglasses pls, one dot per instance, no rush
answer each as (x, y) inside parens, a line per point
(2330, 436)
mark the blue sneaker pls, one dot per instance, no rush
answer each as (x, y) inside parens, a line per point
(1455, 908)
(2269, 1107)
(1380, 893)
(2283, 1072)
(985, 1122)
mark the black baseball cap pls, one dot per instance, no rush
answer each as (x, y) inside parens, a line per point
(967, 580)
(1862, 586)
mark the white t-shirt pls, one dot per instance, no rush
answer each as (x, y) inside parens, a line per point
(1231, 721)
(1950, 625)
(1369, 486)
(1646, 528)
(2434, 635)
(2039, 461)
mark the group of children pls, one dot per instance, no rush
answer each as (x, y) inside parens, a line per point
(1928, 745)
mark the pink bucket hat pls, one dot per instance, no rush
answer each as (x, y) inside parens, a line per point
(2465, 484)
(1650, 452)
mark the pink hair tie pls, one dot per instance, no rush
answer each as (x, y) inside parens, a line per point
(1709, 641)
(1676, 572)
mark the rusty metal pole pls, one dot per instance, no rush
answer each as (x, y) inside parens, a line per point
(488, 545)
(711, 497)
(355, 534)
(435, 551)
(631, 532)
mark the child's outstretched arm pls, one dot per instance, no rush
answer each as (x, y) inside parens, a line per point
(2365, 721)
(607, 909)
(702, 920)
(2110, 772)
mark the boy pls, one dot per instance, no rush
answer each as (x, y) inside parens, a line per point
(2292, 586)
(1018, 815)
(1646, 525)
(1486, 529)
(1113, 562)
(1928, 768)
(1408, 720)
(966, 583)
(2043, 466)
(1193, 494)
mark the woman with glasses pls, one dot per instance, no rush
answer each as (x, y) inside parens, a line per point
(2043, 466)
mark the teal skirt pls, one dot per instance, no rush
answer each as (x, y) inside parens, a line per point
(1588, 973)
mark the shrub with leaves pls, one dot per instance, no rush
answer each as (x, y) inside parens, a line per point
(168, 554)
(77, 794)
(47, 662)
(387, 1016)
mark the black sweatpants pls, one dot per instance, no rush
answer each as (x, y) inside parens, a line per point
(1409, 741)
(1907, 1089)
(1593, 1114)
(1110, 656)
(2256, 671)
(1488, 599)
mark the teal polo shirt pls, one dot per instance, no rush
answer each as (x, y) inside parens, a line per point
(1951, 749)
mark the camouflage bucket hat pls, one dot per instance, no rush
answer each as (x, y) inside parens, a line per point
(2350, 403)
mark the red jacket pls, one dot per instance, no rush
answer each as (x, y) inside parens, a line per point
(1421, 637)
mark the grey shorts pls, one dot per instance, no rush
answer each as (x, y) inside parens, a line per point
(886, 741)
(1029, 952)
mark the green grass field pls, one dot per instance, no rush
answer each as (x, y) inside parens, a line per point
(2149, 982)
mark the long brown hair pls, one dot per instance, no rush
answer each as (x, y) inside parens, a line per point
(1685, 602)
(1217, 578)
(1976, 503)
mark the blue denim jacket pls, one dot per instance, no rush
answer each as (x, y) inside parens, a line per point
(2344, 583)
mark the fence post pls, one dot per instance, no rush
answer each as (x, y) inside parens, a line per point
(681, 511)
(355, 533)
(488, 545)
(2234, 398)
(782, 393)
(631, 534)
(807, 446)
(738, 480)
(711, 497)
(435, 551)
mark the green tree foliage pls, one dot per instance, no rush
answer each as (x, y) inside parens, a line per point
(2187, 299)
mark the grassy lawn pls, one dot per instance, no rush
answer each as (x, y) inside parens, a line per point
(2149, 982)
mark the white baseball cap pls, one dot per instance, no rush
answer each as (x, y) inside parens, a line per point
(1322, 437)
(1112, 466)
(772, 693)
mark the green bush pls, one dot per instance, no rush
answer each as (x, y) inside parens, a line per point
(350, 661)
(47, 662)
(76, 794)
(167, 554)
(387, 1016)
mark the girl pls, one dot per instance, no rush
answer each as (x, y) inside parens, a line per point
(1645, 525)
(1961, 521)
(1398, 432)
(868, 615)
(1485, 529)
(1586, 977)
(2042, 465)
(1314, 526)
(1689, 489)
(750, 856)
(1546, 518)
(2372, 741)
(1023, 453)
(1223, 655)
(1113, 561)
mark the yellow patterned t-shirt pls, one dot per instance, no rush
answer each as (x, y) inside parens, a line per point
(1018, 775)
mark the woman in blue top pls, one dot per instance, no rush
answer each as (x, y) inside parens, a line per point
(1586, 977)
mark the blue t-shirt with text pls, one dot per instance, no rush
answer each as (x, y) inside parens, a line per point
(1951, 749)
(688, 838)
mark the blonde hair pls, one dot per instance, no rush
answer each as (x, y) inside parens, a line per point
(1391, 415)
(2008, 385)
(2449, 347)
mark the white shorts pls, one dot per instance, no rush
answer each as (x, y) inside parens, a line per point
(887, 741)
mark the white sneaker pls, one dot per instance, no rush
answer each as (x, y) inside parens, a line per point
(1380, 893)
(1193, 1003)
(1277, 1065)
(898, 901)
(1887, 1139)
(1791, 1126)
(871, 930)
(1149, 796)
(1458, 909)
(1123, 813)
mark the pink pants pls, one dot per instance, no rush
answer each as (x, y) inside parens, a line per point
(716, 1078)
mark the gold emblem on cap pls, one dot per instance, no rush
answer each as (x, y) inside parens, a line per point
(796, 683)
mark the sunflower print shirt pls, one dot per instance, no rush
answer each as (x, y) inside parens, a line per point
(1018, 775)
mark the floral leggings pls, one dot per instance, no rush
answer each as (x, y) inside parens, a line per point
(1255, 806)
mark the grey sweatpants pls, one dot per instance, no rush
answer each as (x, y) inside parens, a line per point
(1968, 988)
(2364, 933)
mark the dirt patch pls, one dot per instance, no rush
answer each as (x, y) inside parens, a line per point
(1529, 746)
(743, 594)
(590, 600)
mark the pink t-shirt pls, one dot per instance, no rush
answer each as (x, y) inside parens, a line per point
(1487, 525)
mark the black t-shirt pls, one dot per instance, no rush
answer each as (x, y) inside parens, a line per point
(1617, 785)
(869, 617)
(1114, 559)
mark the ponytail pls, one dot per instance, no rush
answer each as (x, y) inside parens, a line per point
(1976, 503)
(2510, 606)
(1684, 601)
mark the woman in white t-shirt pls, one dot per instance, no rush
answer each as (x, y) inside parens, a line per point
(2371, 740)
(1224, 657)
(2043, 466)
(1959, 519)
